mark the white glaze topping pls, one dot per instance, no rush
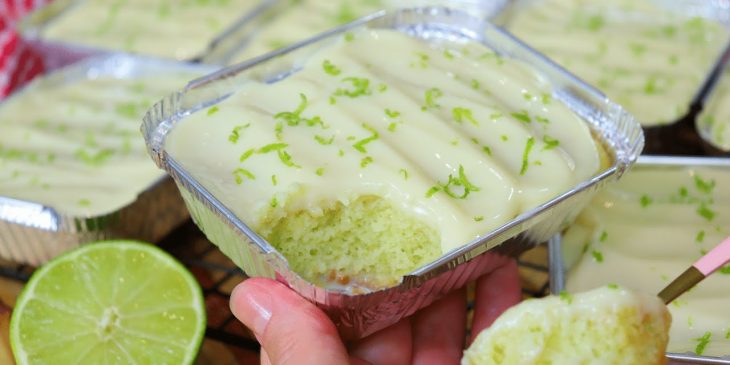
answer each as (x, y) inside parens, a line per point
(456, 135)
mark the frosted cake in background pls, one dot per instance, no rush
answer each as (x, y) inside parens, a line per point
(301, 19)
(76, 146)
(180, 29)
(645, 57)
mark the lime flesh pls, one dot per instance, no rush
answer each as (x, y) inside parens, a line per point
(115, 302)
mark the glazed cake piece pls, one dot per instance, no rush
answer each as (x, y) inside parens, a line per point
(605, 326)
(360, 168)
(646, 230)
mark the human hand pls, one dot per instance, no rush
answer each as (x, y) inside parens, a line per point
(292, 330)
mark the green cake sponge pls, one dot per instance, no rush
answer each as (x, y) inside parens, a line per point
(364, 245)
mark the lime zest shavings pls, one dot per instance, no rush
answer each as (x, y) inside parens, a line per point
(421, 61)
(430, 97)
(236, 132)
(550, 142)
(461, 114)
(392, 113)
(597, 256)
(94, 159)
(360, 145)
(360, 87)
(295, 117)
(246, 155)
(324, 141)
(566, 297)
(459, 183)
(240, 173)
(522, 116)
(330, 68)
(702, 343)
(645, 200)
(704, 186)
(603, 237)
(700, 236)
(285, 158)
(212, 110)
(367, 160)
(272, 147)
(705, 212)
(526, 154)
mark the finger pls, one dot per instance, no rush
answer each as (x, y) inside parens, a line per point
(438, 331)
(264, 357)
(495, 293)
(389, 346)
(291, 330)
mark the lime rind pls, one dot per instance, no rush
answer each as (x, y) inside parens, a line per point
(196, 305)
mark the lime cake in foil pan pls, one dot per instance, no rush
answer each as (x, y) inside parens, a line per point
(651, 56)
(280, 23)
(374, 186)
(646, 230)
(73, 166)
(656, 58)
(65, 30)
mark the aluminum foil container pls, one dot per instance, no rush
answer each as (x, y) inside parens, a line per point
(227, 49)
(61, 53)
(558, 267)
(33, 233)
(719, 93)
(679, 136)
(362, 314)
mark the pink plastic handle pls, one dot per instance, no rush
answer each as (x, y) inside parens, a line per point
(715, 259)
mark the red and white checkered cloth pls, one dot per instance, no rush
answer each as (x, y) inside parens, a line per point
(18, 62)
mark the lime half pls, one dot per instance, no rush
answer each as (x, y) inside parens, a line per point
(114, 302)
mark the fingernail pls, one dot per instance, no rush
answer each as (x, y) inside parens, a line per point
(251, 304)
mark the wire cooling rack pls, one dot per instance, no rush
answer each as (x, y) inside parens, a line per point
(218, 276)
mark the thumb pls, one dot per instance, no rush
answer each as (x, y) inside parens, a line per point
(290, 329)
